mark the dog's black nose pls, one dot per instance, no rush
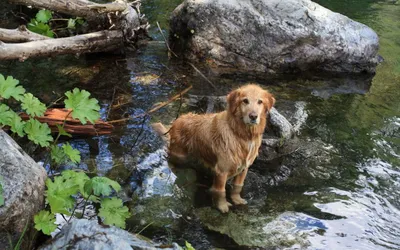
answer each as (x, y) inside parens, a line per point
(253, 117)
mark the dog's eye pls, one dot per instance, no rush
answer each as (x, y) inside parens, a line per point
(260, 102)
(246, 101)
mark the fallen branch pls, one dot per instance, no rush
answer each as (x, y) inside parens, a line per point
(106, 40)
(21, 34)
(113, 26)
(54, 117)
(81, 8)
(159, 106)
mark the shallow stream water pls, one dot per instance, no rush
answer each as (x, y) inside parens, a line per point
(347, 199)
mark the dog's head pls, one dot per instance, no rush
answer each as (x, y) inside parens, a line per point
(250, 103)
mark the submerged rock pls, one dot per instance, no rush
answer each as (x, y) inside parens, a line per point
(254, 229)
(88, 234)
(158, 199)
(23, 189)
(272, 36)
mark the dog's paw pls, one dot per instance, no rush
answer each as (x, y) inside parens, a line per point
(223, 207)
(237, 200)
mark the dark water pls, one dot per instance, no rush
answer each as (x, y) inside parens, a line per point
(351, 201)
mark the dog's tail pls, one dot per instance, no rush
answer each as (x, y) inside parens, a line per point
(161, 130)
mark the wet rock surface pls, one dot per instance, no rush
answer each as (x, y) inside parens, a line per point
(88, 234)
(272, 36)
(249, 227)
(24, 186)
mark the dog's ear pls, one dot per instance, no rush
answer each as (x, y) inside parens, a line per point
(233, 100)
(270, 101)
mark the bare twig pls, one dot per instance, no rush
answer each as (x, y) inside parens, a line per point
(202, 75)
(165, 40)
(159, 106)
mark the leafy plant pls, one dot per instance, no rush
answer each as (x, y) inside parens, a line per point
(113, 212)
(44, 16)
(62, 195)
(37, 132)
(40, 23)
(62, 191)
(32, 105)
(9, 88)
(83, 107)
(45, 221)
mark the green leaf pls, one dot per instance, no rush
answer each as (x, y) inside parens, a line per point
(45, 221)
(32, 105)
(113, 212)
(59, 194)
(44, 16)
(9, 88)
(37, 132)
(72, 153)
(1, 192)
(62, 131)
(80, 20)
(189, 246)
(71, 23)
(83, 107)
(17, 125)
(77, 178)
(57, 154)
(6, 115)
(40, 28)
(101, 186)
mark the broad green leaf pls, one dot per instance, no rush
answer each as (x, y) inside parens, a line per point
(37, 132)
(189, 246)
(32, 105)
(5, 115)
(59, 194)
(49, 33)
(1, 192)
(57, 154)
(101, 186)
(71, 23)
(17, 125)
(40, 28)
(45, 221)
(113, 212)
(44, 16)
(77, 178)
(72, 153)
(62, 131)
(83, 107)
(9, 88)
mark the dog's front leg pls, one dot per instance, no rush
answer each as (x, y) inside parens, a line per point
(237, 188)
(218, 192)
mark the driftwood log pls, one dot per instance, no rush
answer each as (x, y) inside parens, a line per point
(114, 25)
(92, 42)
(54, 117)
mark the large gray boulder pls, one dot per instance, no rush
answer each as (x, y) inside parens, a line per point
(23, 184)
(272, 36)
(88, 234)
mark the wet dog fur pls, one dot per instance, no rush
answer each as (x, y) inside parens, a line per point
(226, 142)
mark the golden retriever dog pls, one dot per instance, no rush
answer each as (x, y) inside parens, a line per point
(227, 142)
